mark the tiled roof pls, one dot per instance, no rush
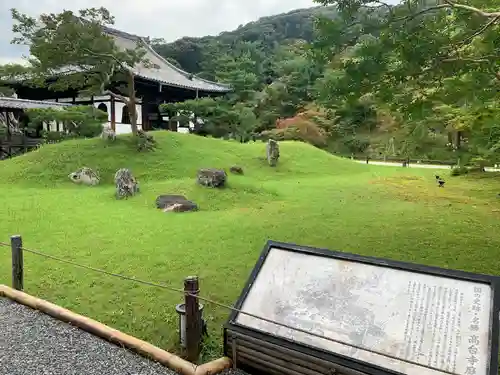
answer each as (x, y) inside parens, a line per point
(166, 73)
(15, 103)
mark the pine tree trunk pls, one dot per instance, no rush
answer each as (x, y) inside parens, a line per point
(132, 110)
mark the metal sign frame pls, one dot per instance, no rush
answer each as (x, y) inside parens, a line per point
(340, 361)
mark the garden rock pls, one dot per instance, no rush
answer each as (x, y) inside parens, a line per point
(126, 184)
(175, 203)
(272, 152)
(236, 169)
(85, 176)
(108, 134)
(212, 177)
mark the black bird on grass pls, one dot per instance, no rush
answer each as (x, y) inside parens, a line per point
(439, 181)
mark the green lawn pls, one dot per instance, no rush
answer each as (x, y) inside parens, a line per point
(311, 198)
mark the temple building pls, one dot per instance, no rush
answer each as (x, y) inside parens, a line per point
(165, 83)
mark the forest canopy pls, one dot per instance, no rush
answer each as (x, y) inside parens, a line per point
(414, 79)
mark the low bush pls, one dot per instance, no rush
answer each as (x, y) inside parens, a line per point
(459, 171)
(297, 129)
(144, 141)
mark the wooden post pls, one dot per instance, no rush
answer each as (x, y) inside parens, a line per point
(113, 113)
(193, 319)
(16, 244)
(7, 123)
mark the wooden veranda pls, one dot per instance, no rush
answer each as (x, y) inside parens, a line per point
(14, 137)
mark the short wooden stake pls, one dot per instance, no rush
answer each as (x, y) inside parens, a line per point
(193, 319)
(16, 244)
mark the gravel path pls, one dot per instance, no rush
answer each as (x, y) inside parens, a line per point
(32, 343)
(234, 372)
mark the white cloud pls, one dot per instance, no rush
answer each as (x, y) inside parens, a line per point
(159, 19)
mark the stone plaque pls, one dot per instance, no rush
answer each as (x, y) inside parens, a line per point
(414, 323)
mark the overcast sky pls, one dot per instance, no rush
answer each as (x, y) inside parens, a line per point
(154, 18)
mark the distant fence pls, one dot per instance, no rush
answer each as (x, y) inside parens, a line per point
(18, 145)
(193, 314)
(401, 159)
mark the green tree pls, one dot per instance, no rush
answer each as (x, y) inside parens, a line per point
(239, 70)
(416, 56)
(291, 90)
(217, 117)
(78, 121)
(74, 50)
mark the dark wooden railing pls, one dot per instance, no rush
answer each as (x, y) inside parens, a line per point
(16, 145)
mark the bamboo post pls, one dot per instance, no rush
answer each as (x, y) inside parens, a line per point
(193, 319)
(16, 244)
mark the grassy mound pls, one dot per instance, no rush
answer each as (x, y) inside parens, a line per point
(311, 198)
(178, 156)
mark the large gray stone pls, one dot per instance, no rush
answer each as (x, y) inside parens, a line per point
(272, 152)
(85, 176)
(212, 177)
(175, 203)
(126, 184)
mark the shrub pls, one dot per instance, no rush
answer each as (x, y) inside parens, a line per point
(53, 136)
(479, 163)
(356, 145)
(298, 129)
(144, 141)
(459, 171)
(78, 121)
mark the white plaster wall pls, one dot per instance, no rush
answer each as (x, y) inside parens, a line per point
(182, 129)
(121, 128)
(51, 126)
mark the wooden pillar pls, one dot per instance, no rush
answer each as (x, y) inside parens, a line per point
(144, 115)
(16, 244)
(113, 113)
(7, 123)
(9, 133)
(193, 318)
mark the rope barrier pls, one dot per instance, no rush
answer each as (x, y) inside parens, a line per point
(231, 308)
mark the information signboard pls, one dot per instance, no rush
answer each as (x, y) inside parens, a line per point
(404, 318)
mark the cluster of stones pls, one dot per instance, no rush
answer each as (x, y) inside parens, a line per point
(126, 184)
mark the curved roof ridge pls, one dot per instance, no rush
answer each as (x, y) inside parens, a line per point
(150, 49)
(181, 71)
